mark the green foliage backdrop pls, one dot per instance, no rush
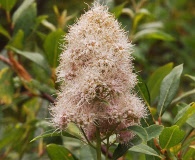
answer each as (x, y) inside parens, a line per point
(31, 34)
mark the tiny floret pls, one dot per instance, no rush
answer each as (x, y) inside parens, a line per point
(97, 78)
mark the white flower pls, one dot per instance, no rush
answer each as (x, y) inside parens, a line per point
(97, 77)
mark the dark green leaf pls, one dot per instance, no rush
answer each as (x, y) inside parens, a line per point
(142, 148)
(170, 137)
(52, 46)
(154, 131)
(143, 90)
(18, 13)
(168, 88)
(26, 20)
(57, 152)
(123, 148)
(140, 131)
(7, 4)
(156, 78)
(34, 57)
(144, 93)
(184, 114)
(6, 86)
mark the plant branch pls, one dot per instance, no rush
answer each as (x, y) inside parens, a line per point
(5, 60)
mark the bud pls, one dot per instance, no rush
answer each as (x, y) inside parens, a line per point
(97, 79)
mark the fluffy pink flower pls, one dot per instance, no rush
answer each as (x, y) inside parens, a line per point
(97, 78)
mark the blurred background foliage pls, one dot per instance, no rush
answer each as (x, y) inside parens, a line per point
(31, 35)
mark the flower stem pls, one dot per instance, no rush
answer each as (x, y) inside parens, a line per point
(98, 143)
(107, 147)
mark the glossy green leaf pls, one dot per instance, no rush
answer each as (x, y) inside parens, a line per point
(57, 152)
(156, 78)
(18, 13)
(6, 86)
(34, 57)
(153, 34)
(52, 46)
(153, 131)
(170, 137)
(4, 32)
(140, 131)
(26, 20)
(142, 148)
(7, 4)
(184, 114)
(168, 88)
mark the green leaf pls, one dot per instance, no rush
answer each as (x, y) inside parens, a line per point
(52, 46)
(170, 137)
(154, 131)
(123, 148)
(42, 87)
(24, 6)
(118, 9)
(26, 20)
(143, 90)
(168, 88)
(140, 131)
(34, 57)
(6, 86)
(4, 32)
(144, 93)
(54, 134)
(156, 78)
(151, 25)
(191, 77)
(142, 148)
(139, 15)
(191, 121)
(189, 154)
(11, 137)
(7, 4)
(57, 152)
(153, 34)
(18, 40)
(184, 114)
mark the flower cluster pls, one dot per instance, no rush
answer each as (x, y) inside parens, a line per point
(97, 79)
